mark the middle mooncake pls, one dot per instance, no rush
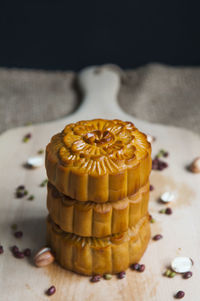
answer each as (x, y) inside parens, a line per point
(93, 219)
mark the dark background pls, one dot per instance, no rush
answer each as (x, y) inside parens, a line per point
(73, 34)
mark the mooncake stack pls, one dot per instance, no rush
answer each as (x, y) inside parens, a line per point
(98, 192)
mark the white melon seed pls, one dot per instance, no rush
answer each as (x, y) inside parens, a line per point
(181, 264)
(35, 162)
(167, 197)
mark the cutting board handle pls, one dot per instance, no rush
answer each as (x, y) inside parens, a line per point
(100, 86)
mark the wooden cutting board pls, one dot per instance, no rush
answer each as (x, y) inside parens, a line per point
(21, 280)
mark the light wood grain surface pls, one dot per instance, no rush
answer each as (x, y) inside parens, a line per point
(21, 280)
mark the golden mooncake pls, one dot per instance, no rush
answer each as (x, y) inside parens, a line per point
(99, 160)
(89, 255)
(94, 219)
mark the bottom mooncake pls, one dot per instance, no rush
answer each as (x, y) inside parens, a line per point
(90, 255)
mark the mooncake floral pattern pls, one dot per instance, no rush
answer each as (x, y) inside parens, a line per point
(101, 146)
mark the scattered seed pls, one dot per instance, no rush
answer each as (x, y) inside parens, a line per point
(18, 234)
(151, 219)
(19, 255)
(44, 183)
(107, 276)
(95, 278)
(167, 197)
(1, 250)
(14, 249)
(172, 274)
(157, 164)
(167, 272)
(181, 264)
(157, 237)
(21, 191)
(162, 211)
(21, 187)
(141, 268)
(27, 252)
(35, 162)
(40, 151)
(27, 137)
(168, 211)
(19, 194)
(14, 226)
(31, 197)
(195, 165)
(151, 187)
(135, 266)
(51, 291)
(187, 275)
(179, 295)
(121, 275)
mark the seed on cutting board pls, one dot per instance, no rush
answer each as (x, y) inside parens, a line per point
(40, 151)
(27, 137)
(157, 237)
(1, 250)
(21, 187)
(107, 276)
(18, 234)
(95, 278)
(44, 183)
(51, 291)
(122, 275)
(167, 197)
(181, 264)
(135, 266)
(34, 162)
(141, 268)
(27, 252)
(151, 187)
(195, 166)
(31, 197)
(168, 211)
(14, 249)
(172, 274)
(43, 257)
(179, 295)
(19, 255)
(187, 275)
(14, 226)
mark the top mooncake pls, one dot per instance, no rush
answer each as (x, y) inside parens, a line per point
(99, 160)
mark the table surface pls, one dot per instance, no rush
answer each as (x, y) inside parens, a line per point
(21, 280)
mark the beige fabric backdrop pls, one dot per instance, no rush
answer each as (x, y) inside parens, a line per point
(155, 93)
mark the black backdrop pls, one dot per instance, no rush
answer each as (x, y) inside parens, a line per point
(73, 34)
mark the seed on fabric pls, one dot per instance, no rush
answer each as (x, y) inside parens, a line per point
(19, 255)
(151, 187)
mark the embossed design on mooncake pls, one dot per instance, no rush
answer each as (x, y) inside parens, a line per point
(99, 146)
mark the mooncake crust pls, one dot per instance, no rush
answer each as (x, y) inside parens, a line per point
(90, 256)
(94, 219)
(98, 160)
